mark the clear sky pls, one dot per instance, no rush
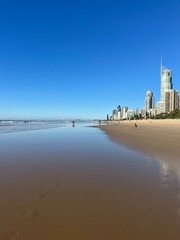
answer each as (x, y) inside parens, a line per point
(82, 58)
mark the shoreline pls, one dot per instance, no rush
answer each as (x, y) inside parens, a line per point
(156, 138)
(77, 184)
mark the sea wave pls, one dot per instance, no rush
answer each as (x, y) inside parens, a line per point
(7, 126)
(13, 126)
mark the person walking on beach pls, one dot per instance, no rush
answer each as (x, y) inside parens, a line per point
(135, 125)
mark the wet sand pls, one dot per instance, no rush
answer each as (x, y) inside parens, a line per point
(76, 184)
(157, 138)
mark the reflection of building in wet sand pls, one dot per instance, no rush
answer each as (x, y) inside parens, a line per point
(169, 177)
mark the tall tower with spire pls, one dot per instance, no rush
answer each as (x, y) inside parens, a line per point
(166, 85)
(166, 80)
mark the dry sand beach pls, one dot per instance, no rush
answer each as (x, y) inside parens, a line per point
(157, 138)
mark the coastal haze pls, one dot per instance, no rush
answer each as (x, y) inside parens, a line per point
(74, 183)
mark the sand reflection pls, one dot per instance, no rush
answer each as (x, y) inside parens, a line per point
(74, 183)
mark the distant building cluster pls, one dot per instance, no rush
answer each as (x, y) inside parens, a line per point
(169, 101)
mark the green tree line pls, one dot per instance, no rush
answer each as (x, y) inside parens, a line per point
(172, 115)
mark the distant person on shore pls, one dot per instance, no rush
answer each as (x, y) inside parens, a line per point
(135, 125)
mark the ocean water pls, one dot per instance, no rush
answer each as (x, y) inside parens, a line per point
(22, 125)
(65, 182)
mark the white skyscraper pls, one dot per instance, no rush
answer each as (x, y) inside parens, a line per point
(130, 114)
(149, 101)
(171, 100)
(166, 81)
(160, 107)
(166, 84)
(124, 112)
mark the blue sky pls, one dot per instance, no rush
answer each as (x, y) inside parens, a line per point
(80, 59)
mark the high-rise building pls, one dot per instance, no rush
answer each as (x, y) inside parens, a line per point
(166, 84)
(113, 114)
(130, 114)
(153, 112)
(143, 112)
(166, 81)
(160, 107)
(119, 108)
(138, 111)
(171, 100)
(118, 113)
(149, 101)
(124, 112)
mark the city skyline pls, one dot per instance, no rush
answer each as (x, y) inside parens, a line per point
(169, 100)
(64, 60)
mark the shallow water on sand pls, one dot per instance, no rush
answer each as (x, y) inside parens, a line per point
(74, 183)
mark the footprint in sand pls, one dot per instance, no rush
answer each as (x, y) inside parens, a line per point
(42, 196)
(23, 213)
(57, 185)
(34, 213)
(27, 213)
(11, 235)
